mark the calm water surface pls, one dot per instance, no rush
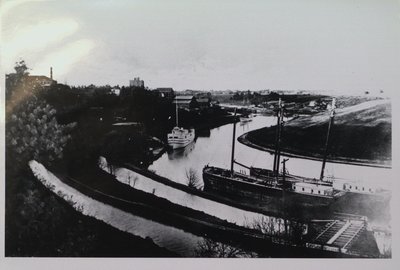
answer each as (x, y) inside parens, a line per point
(215, 150)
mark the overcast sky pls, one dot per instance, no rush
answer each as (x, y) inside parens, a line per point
(345, 46)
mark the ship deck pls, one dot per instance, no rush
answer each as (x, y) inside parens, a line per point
(271, 182)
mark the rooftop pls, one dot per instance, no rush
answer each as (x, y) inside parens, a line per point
(184, 98)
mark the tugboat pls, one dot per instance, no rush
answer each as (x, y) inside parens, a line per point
(180, 137)
(263, 184)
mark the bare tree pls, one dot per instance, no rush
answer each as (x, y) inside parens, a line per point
(268, 226)
(284, 229)
(192, 178)
(211, 249)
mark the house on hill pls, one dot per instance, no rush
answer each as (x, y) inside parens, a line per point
(186, 102)
(39, 81)
(28, 82)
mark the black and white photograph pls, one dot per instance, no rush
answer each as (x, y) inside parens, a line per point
(199, 129)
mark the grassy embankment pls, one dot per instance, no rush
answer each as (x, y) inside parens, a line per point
(361, 134)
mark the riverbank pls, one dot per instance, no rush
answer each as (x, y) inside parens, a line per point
(50, 227)
(150, 185)
(274, 206)
(355, 127)
(244, 139)
(105, 188)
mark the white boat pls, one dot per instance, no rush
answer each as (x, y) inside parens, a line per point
(179, 136)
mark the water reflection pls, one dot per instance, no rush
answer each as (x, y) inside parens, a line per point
(181, 152)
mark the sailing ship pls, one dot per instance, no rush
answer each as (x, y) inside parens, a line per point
(261, 184)
(179, 136)
(337, 184)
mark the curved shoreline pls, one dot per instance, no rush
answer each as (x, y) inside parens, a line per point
(341, 160)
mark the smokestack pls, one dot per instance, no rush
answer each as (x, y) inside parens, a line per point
(51, 72)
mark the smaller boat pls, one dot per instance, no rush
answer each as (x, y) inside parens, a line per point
(179, 136)
(246, 118)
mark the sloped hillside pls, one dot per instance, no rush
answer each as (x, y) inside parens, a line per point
(361, 134)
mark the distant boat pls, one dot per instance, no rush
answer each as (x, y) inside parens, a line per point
(180, 137)
(246, 118)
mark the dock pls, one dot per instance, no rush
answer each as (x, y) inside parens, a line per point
(345, 234)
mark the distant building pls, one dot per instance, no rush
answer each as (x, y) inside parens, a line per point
(165, 92)
(17, 83)
(134, 85)
(136, 82)
(39, 80)
(203, 103)
(115, 91)
(264, 92)
(272, 104)
(214, 103)
(186, 102)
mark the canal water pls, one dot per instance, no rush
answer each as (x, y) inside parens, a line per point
(177, 196)
(169, 237)
(214, 149)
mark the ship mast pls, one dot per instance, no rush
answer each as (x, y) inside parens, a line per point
(332, 115)
(233, 143)
(283, 194)
(176, 111)
(278, 138)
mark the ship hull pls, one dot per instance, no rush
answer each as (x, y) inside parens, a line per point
(176, 144)
(260, 194)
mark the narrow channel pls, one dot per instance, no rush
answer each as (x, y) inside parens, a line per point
(171, 238)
